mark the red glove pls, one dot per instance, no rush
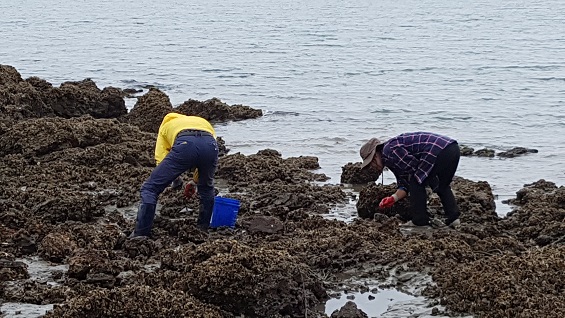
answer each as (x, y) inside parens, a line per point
(190, 189)
(386, 202)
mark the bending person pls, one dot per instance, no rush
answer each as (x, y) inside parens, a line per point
(183, 142)
(417, 159)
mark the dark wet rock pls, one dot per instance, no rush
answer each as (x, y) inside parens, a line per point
(268, 166)
(222, 149)
(330, 245)
(135, 301)
(179, 207)
(74, 99)
(84, 158)
(214, 110)
(262, 224)
(536, 191)
(303, 162)
(280, 199)
(149, 111)
(466, 151)
(21, 101)
(24, 243)
(101, 279)
(11, 213)
(20, 241)
(543, 240)
(39, 293)
(275, 186)
(79, 208)
(516, 151)
(47, 135)
(349, 310)
(57, 246)
(140, 247)
(275, 282)
(475, 201)
(35, 98)
(132, 91)
(183, 229)
(101, 236)
(370, 197)
(485, 153)
(10, 269)
(353, 174)
(85, 262)
(541, 214)
(151, 108)
(508, 285)
(9, 75)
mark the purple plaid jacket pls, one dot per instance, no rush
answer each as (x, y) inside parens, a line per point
(413, 155)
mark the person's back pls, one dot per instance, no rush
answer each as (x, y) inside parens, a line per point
(421, 143)
(414, 153)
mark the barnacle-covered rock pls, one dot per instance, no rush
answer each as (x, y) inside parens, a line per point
(135, 301)
(10, 269)
(56, 246)
(245, 280)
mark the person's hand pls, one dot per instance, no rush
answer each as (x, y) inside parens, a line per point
(190, 189)
(387, 202)
(176, 184)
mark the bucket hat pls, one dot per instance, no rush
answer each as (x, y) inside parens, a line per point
(368, 151)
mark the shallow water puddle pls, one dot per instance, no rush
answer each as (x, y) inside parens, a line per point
(38, 270)
(129, 212)
(20, 310)
(41, 270)
(388, 303)
(346, 212)
(403, 300)
(373, 303)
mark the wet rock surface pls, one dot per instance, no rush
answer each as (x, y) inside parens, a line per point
(349, 310)
(71, 172)
(485, 152)
(352, 173)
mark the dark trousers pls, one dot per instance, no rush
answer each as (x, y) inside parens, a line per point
(439, 180)
(197, 151)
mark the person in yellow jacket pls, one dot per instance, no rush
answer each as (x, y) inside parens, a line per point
(183, 142)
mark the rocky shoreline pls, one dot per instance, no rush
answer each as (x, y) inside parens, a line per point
(74, 158)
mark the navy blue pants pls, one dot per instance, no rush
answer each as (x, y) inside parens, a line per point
(198, 151)
(439, 180)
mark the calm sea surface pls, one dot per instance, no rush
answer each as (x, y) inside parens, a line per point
(329, 74)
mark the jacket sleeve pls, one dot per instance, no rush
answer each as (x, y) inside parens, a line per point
(162, 148)
(405, 163)
(402, 181)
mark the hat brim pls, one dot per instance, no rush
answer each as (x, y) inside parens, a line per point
(368, 160)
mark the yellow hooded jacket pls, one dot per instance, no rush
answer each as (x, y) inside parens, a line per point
(172, 124)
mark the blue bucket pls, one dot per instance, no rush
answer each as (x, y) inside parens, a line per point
(225, 212)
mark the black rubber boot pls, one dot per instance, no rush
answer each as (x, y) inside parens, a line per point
(204, 217)
(144, 221)
(418, 204)
(449, 204)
